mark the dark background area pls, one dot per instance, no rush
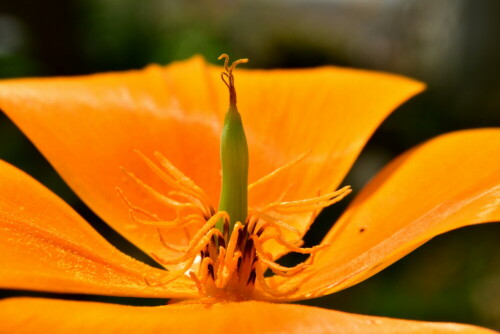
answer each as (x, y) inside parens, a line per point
(452, 45)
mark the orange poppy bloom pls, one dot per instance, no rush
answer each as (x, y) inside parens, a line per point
(141, 148)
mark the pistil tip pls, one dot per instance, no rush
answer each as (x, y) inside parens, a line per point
(227, 76)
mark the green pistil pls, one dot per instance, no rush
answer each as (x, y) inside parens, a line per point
(234, 158)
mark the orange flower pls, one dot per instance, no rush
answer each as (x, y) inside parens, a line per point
(141, 148)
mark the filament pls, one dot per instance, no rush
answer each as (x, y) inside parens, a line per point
(224, 263)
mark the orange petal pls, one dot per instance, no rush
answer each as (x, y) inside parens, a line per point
(329, 111)
(446, 183)
(326, 114)
(27, 315)
(46, 246)
(88, 127)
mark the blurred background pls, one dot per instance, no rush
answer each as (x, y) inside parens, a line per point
(452, 45)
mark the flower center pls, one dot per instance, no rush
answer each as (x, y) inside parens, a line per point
(233, 248)
(225, 264)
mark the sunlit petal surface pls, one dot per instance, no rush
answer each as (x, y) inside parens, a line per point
(58, 316)
(446, 183)
(46, 246)
(88, 128)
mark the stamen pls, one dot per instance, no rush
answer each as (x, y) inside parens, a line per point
(252, 221)
(273, 286)
(220, 261)
(156, 280)
(277, 171)
(172, 275)
(178, 181)
(230, 267)
(240, 256)
(274, 221)
(200, 240)
(290, 246)
(229, 262)
(231, 247)
(205, 269)
(273, 292)
(310, 204)
(178, 222)
(275, 267)
(185, 182)
(245, 270)
(133, 208)
(192, 199)
(228, 258)
(285, 192)
(178, 249)
(160, 197)
(199, 285)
